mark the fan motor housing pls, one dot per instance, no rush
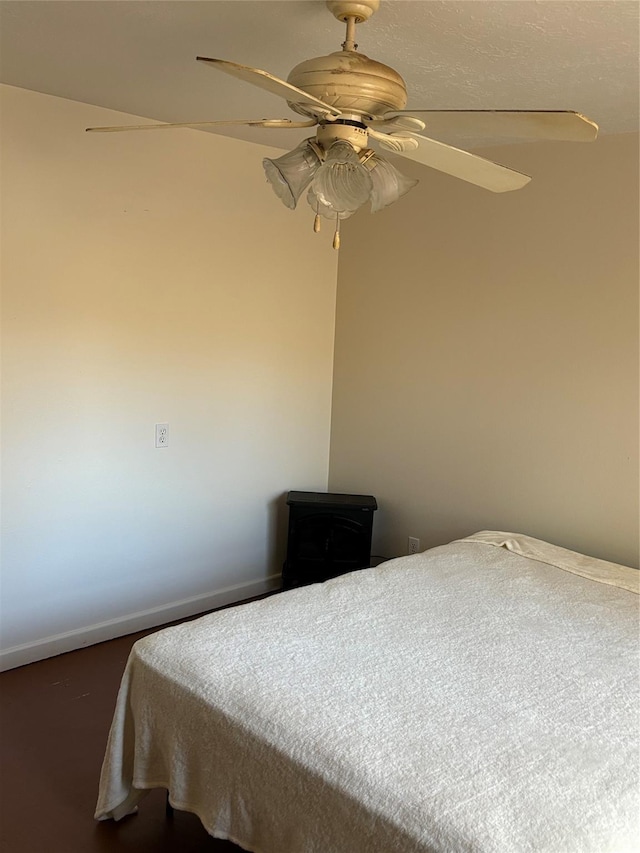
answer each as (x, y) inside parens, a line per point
(351, 82)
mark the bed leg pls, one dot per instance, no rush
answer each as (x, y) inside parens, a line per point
(168, 808)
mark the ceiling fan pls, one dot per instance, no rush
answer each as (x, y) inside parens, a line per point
(355, 101)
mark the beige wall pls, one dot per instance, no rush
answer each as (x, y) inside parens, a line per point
(486, 361)
(149, 278)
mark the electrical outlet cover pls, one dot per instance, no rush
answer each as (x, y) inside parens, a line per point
(162, 435)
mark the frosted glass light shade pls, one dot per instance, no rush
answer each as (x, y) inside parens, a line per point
(290, 174)
(324, 209)
(342, 183)
(388, 184)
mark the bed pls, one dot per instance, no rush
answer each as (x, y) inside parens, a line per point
(480, 696)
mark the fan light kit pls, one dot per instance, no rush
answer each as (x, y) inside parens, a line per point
(355, 101)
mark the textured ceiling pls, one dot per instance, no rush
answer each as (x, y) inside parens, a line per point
(139, 56)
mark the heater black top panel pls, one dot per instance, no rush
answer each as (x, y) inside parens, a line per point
(332, 499)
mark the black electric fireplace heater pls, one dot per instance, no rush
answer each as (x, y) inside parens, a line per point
(329, 534)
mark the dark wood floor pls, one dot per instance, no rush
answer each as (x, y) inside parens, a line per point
(54, 720)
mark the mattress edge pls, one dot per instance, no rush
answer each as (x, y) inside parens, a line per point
(601, 571)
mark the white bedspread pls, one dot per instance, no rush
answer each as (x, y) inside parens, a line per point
(466, 699)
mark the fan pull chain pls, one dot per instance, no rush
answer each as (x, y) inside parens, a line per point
(336, 236)
(316, 221)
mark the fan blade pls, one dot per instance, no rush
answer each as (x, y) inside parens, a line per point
(400, 122)
(259, 122)
(271, 84)
(516, 124)
(464, 165)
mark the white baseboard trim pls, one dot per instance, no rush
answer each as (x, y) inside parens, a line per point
(132, 622)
